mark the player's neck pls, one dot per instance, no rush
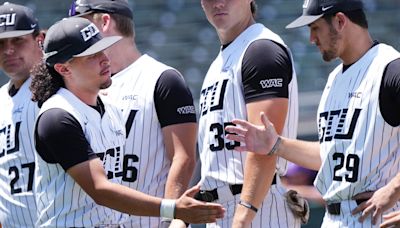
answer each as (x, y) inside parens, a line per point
(18, 80)
(226, 36)
(131, 54)
(357, 44)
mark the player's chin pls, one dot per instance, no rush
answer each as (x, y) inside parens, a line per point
(106, 84)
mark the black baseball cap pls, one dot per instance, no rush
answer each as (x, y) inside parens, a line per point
(83, 7)
(315, 9)
(74, 37)
(16, 20)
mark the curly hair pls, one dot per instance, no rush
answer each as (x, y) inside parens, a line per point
(45, 82)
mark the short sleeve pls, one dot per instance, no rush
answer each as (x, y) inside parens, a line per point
(173, 99)
(266, 71)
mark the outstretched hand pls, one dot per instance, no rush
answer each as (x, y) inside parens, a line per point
(377, 203)
(256, 138)
(193, 211)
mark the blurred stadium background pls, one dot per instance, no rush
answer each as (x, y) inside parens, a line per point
(177, 33)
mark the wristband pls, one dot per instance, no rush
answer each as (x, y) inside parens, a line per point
(249, 206)
(276, 146)
(167, 208)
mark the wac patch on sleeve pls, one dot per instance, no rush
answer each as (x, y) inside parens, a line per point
(269, 83)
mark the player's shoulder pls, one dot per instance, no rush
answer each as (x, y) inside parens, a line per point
(391, 76)
(153, 63)
(265, 53)
(266, 47)
(394, 66)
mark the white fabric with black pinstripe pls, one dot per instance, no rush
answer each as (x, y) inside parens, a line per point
(61, 202)
(17, 157)
(359, 150)
(145, 157)
(222, 100)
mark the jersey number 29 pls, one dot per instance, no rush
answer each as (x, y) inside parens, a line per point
(352, 163)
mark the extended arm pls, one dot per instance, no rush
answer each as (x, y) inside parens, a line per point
(261, 138)
(124, 199)
(77, 158)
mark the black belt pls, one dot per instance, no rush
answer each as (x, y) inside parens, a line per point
(334, 208)
(212, 195)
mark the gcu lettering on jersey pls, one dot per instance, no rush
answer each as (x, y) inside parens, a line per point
(7, 19)
(334, 124)
(89, 31)
(269, 83)
(7, 137)
(112, 159)
(212, 97)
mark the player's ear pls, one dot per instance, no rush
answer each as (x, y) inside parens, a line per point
(105, 22)
(62, 69)
(40, 38)
(340, 20)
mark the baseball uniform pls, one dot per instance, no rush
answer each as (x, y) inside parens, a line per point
(151, 96)
(226, 89)
(17, 156)
(359, 148)
(61, 201)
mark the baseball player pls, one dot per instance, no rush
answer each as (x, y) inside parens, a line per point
(253, 72)
(80, 139)
(19, 50)
(157, 107)
(358, 115)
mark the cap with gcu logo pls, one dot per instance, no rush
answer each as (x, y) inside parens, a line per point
(82, 7)
(16, 20)
(74, 37)
(315, 9)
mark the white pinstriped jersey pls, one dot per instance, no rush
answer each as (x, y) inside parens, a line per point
(17, 157)
(60, 200)
(359, 150)
(222, 100)
(132, 90)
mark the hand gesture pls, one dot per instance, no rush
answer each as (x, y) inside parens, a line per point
(256, 138)
(377, 203)
(193, 211)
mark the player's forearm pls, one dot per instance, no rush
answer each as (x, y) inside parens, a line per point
(126, 200)
(395, 185)
(180, 142)
(178, 180)
(179, 176)
(258, 176)
(303, 153)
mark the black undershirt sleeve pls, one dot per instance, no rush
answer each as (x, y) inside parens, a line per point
(389, 94)
(59, 138)
(173, 100)
(266, 71)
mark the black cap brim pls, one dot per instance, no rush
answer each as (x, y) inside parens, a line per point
(99, 46)
(303, 21)
(15, 33)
